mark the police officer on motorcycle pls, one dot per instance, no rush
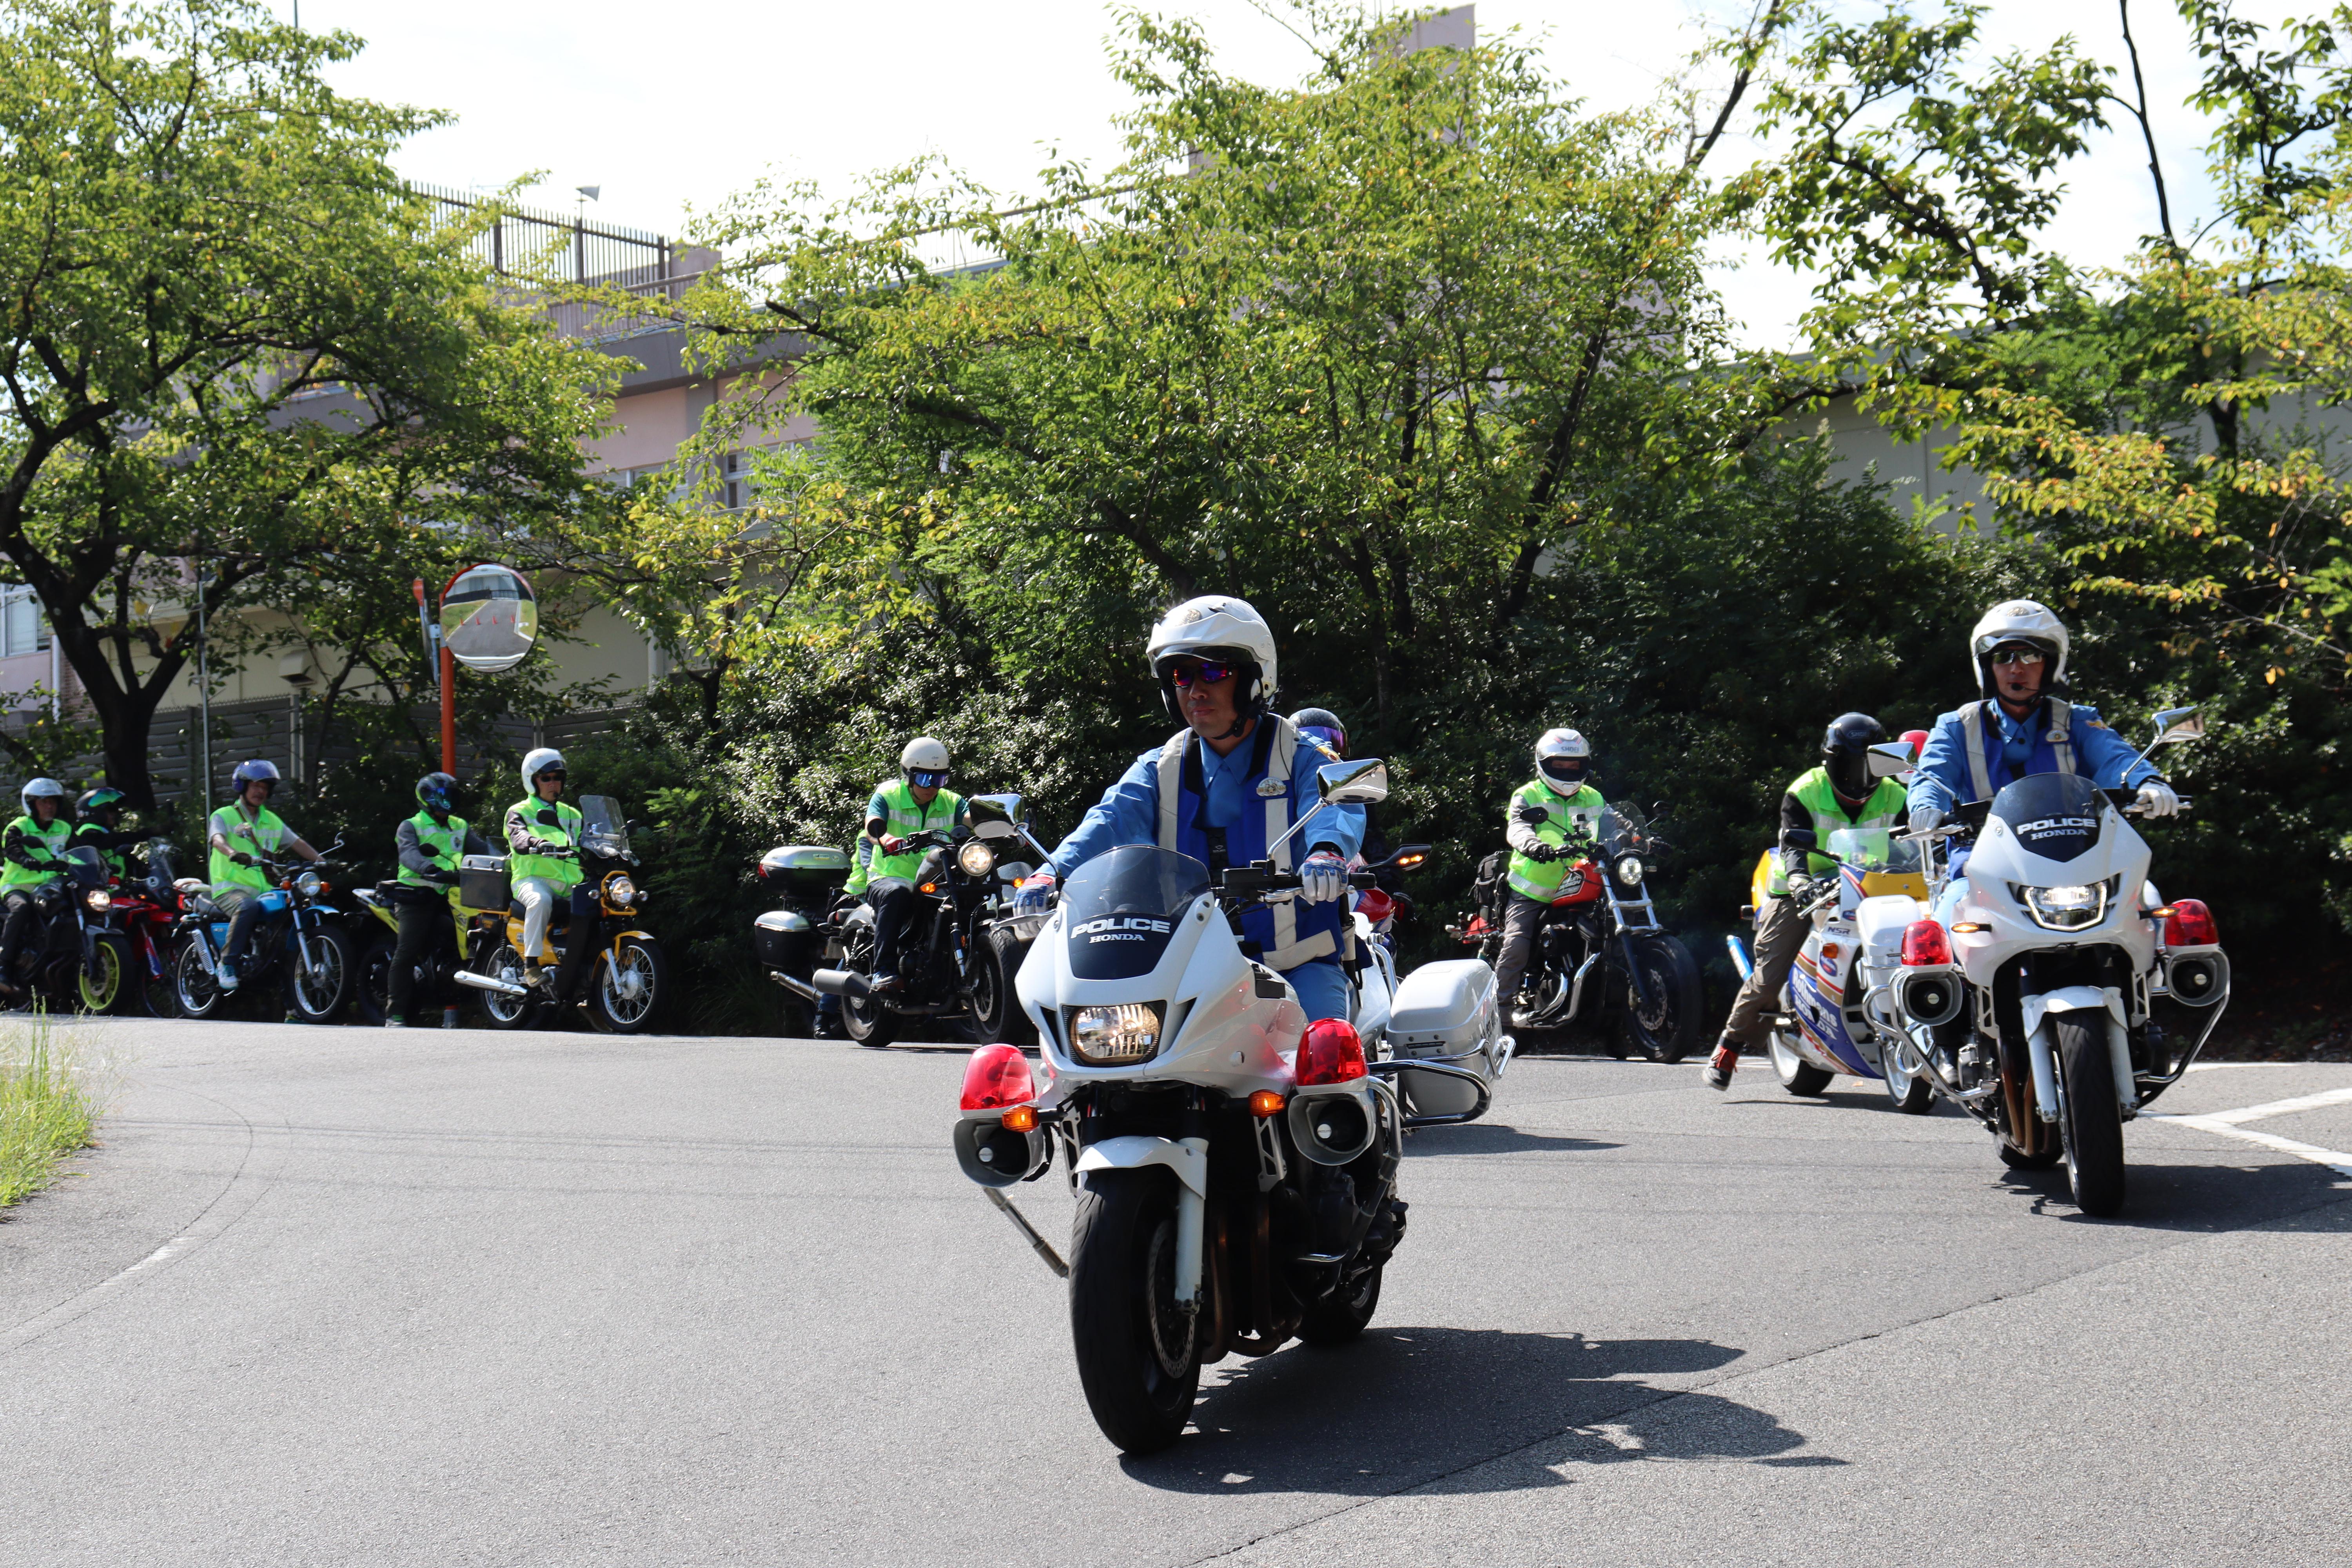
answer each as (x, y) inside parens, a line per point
(98, 826)
(1223, 788)
(1839, 794)
(2021, 725)
(542, 834)
(242, 834)
(917, 801)
(1563, 792)
(32, 854)
(429, 846)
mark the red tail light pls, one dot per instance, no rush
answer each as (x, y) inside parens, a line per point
(1331, 1052)
(1917, 741)
(996, 1076)
(2191, 925)
(1924, 941)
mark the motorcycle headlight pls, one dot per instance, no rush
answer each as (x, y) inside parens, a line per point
(620, 890)
(1101, 1036)
(2073, 907)
(1630, 870)
(309, 885)
(99, 898)
(976, 858)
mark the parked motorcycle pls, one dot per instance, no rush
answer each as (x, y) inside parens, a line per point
(75, 958)
(1602, 960)
(627, 981)
(1235, 1166)
(963, 941)
(147, 905)
(2031, 998)
(805, 878)
(1821, 1028)
(309, 948)
(437, 975)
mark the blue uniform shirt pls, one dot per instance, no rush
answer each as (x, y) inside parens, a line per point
(1129, 812)
(1943, 778)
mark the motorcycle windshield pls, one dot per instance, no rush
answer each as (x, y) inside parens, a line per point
(1875, 849)
(2055, 815)
(84, 867)
(159, 862)
(1119, 909)
(1623, 830)
(603, 827)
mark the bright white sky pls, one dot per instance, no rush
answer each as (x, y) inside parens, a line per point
(672, 106)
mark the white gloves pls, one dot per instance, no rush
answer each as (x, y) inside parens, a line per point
(1924, 818)
(1322, 877)
(2157, 798)
(1035, 892)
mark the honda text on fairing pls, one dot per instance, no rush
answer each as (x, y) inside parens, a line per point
(964, 943)
(2039, 1000)
(1235, 1165)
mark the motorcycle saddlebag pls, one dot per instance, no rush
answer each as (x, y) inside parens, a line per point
(804, 870)
(1445, 1009)
(785, 939)
(483, 883)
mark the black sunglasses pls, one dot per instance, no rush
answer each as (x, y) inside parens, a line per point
(1183, 675)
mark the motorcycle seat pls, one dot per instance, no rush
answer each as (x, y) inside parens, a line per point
(558, 920)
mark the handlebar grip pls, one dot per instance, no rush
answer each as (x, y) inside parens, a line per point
(1363, 880)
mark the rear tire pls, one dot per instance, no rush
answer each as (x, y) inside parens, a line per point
(1797, 1075)
(2093, 1122)
(863, 1019)
(1138, 1359)
(1667, 1029)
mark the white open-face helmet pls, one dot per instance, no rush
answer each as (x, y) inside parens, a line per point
(537, 763)
(1216, 629)
(2020, 621)
(1563, 761)
(924, 762)
(42, 789)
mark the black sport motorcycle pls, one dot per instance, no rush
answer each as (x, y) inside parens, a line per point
(1601, 959)
(964, 943)
(77, 958)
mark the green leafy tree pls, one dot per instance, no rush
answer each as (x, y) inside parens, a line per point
(237, 356)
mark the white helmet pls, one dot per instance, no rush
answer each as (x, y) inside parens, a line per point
(924, 756)
(537, 763)
(1564, 759)
(2020, 620)
(1219, 630)
(42, 789)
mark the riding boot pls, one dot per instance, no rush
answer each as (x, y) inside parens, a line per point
(1723, 1064)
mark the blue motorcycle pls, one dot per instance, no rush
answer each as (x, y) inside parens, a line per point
(301, 938)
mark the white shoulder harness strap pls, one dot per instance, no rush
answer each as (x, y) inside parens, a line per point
(1288, 951)
(2061, 736)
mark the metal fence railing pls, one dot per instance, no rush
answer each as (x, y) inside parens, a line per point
(533, 244)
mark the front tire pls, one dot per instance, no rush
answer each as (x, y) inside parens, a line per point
(626, 988)
(194, 993)
(2092, 1121)
(1667, 1029)
(996, 1013)
(1138, 1360)
(1797, 1075)
(1913, 1092)
(110, 991)
(317, 991)
(1340, 1317)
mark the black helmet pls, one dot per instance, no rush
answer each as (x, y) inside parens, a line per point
(437, 792)
(1845, 750)
(105, 797)
(1322, 724)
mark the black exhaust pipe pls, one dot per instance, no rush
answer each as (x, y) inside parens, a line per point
(841, 983)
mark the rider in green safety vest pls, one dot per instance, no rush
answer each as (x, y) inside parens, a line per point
(1837, 794)
(1540, 849)
(429, 844)
(100, 827)
(542, 834)
(883, 868)
(30, 859)
(242, 832)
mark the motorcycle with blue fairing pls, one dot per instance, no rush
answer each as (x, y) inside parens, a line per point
(1235, 1165)
(302, 939)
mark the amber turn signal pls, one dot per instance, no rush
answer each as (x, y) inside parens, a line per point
(1265, 1102)
(2161, 913)
(1966, 927)
(1020, 1119)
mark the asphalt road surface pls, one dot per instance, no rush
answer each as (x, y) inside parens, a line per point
(329, 1296)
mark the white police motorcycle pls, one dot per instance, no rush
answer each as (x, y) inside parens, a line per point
(2034, 990)
(1235, 1165)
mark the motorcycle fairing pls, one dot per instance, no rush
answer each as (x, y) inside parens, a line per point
(1820, 1017)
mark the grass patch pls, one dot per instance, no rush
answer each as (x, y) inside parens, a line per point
(46, 1112)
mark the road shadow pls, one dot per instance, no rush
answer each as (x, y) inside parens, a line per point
(1496, 1137)
(1409, 1406)
(2239, 1192)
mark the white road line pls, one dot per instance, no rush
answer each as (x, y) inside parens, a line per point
(2246, 1113)
(2231, 1124)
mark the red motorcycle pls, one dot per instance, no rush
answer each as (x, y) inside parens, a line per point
(149, 908)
